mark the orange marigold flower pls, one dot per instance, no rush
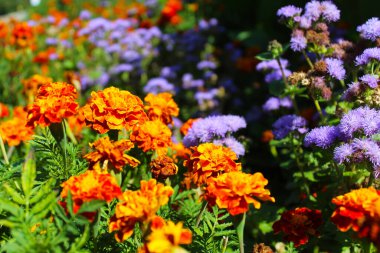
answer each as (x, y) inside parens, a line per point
(354, 207)
(110, 152)
(76, 123)
(163, 167)
(88, 186)
(236, 190)
(32, 84)
(299, 224)
(4, 111)
(113, 109)
(138, 207)
(180, 151)
(14, 130)
(54, 102)
(22, 35)
(187, 125)
(3, 30)
(267, 136)
(152, 135)
(161, 107)
(210, 160)
(165, 237)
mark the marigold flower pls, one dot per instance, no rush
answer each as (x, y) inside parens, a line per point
(4, 111)
(22, 35)
(165, 237)
(180, 151)
(138, 206)
(89, 186)
(32, 84)
(187, 125)
(3, 30)
(163, 167)
(152, 135)
(354, 207)
(113, 109)
(76, 123)
(107, 151)
(54, 102)
(161, 107)
(299, 224)
(236, 190)
(267, 136)
(210, 160)
(14, 130)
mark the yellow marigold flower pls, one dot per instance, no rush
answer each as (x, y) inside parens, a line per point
(152, 135)
(113, 109)
(165, 237)
(236, 190)
(32, 84)
(54, 102)
(161, 107)
(163, 167)
(210, 160)
(14, 130)
(88, 186)
(138, 207)
(353, 207)
(110, 152)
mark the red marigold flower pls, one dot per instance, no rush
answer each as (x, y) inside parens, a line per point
(14, 130)
(110, 152)
(4, 111)
(113, 109)
(161, 107)
(54, 102)
(210, 160)
(22, 35)
(138, 207)
(165, 236)
(89, 186)
(353, 207)
(299, 224)
(235, 190)
(152, 135)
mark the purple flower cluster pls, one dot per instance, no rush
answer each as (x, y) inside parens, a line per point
(157, 85)
(289, 11)
(274, 103)
(370, 80)
(315, 10)
(298, 41)
(322, 137)
(287, 124)
(370, 30)
(367, 56)
(216, 129)
(273, 70)
(335, 68)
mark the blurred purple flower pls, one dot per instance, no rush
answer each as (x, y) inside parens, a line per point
(289, 11)
(289, 123)
(157, 85)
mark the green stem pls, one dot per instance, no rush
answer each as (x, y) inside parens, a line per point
(308, 59)
(201, 213)
(299, 165)
(224, 243)
(316, 103)
(70, 133)
(240, 224)
(3, 151)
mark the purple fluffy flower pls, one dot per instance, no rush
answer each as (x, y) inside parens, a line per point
(362, 118)
(213, 127)
(352, 91)
(289, 123)
(343, 152)
(157, 85)
(121, 68)
(335, 68)
(322, 137)
(289, 11)
(370, 149)
(273, 68)
(370, 80)
(368, 55)
(370, 30)
(326, 9)
(274, 103)
(298, 41)
(206, 65)
(233, 144)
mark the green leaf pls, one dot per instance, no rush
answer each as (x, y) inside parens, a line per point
(44, 206)
(14, 194)
(9, 206)
(266, 56)
(69, 203)
(91, 206)
(28, 175)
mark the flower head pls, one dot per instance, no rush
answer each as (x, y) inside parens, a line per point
(299, 224)
(287, 124)
(32, 84)
(289, 11)
(22, 35)
(158, 85)
(138, 207)
(14, 130)
(370, 30)
(165, 236)
(322, 137)
(110, 152)
(54, 102)
(88, 186)
(163, 167)
(152, 135)
(113, 109)
(235, 190)
(298, 41)
(335, 68)
(187, 125)
(161, 107)
(370, 80)
(210, 160)
(367, 56)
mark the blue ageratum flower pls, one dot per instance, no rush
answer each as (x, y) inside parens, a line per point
(322, 137)
(289, 11)
(287, 124)
(335, 68)
(370, 30)
(367, 56)
(157, 85)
